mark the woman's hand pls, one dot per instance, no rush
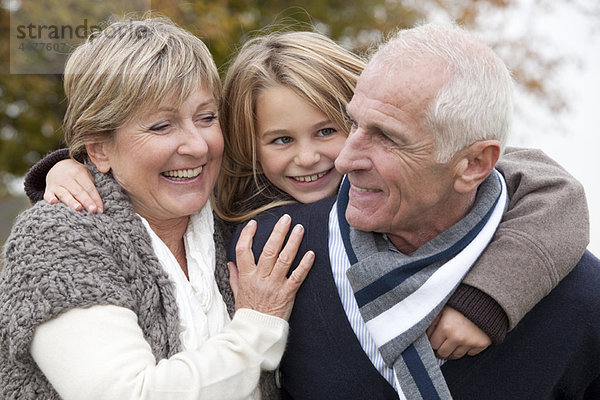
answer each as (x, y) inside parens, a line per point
(71, 183)
(265, 287)
(452, 335)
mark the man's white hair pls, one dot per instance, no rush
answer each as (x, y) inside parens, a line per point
(477, 101)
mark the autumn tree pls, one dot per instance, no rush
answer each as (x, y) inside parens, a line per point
(32, 105)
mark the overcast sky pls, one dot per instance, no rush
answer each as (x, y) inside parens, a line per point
(574, 140)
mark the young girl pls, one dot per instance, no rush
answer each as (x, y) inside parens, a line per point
(283, 120)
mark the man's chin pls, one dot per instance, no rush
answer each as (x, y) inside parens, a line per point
(359, 221)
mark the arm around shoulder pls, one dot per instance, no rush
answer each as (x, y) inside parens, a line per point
(541, 238)
(35, 179)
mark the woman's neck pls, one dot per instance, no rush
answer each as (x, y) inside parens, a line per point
(171, 233)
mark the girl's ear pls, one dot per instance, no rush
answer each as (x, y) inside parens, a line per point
(99, 154)
(477, 164)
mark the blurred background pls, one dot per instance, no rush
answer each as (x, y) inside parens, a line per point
(552, 47)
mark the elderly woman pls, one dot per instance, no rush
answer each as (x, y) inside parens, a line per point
(125, 304)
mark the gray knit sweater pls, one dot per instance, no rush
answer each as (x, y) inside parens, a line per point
(57, 259)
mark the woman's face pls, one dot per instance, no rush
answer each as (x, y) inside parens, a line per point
(168, 159)
(297, 145)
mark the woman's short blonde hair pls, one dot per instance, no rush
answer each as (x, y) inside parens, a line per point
(128, 67)
(316, 68)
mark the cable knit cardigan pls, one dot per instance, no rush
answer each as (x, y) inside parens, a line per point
(57, 259)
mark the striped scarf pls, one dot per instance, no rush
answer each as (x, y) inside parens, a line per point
(400, 295)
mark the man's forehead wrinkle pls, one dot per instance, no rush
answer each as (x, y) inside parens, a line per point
(366, 110)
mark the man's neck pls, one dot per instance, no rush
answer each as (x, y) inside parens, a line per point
(410, 241)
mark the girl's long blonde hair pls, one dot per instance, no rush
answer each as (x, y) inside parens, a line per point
(316, 68)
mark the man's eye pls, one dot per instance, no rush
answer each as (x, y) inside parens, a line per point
(384, 138)
(283, 140)
(353, 125)
(326, 131)
(351, 122)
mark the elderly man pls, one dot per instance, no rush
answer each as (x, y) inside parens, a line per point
(418, 206)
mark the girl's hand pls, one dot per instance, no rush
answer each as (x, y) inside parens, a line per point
(264, 287)
(452, 335)
(71, 183)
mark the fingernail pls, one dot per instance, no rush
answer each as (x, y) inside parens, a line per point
(310, 255)
(92, 208)
(77, 206)
(298, 228)
(251, 222)
(285, 219)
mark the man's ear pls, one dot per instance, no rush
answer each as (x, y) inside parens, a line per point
(99, 154)
(477, 163)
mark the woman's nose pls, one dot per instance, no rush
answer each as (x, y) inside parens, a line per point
(192, 142)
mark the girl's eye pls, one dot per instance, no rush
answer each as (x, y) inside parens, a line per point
(160, 127)
(326, 131)
(283, 140)
(206, 119)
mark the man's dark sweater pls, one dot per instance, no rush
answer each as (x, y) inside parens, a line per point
(554, 352)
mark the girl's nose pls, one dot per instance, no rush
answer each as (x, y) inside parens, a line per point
(307, 157)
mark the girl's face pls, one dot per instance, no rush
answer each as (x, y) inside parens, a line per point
(297, 145)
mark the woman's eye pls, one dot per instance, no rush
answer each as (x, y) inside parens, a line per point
(326, 131)
(160, 127)
(283, 140)
(206, 119)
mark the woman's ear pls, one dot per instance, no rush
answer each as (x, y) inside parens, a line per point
(99, 154)
(477, 164)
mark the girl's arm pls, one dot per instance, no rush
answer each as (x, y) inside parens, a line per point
(541, 238)
(59, 178)
(35, 179)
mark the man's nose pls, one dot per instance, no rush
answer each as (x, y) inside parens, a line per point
(353, 155)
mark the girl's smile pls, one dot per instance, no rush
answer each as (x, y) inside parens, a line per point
(297, 145)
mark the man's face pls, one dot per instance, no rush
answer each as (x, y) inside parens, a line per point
(397, 188)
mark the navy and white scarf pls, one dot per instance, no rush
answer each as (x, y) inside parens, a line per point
(400, 295)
